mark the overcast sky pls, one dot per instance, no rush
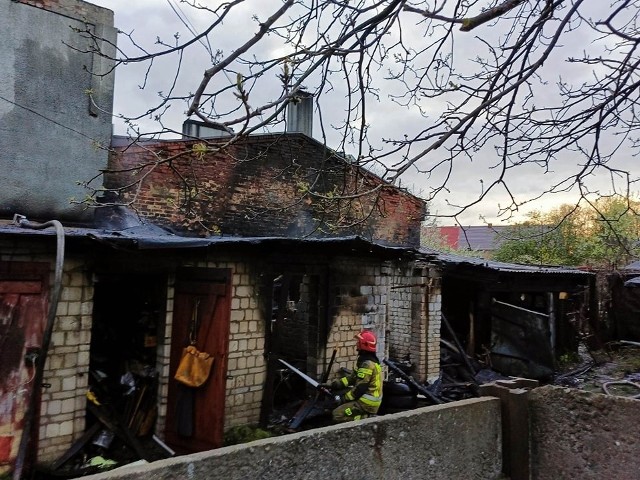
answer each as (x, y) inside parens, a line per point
(148, 19)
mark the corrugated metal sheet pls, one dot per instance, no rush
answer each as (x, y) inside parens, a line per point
(452, 259)
(634, 266)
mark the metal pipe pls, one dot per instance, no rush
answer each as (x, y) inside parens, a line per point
(516, 307)
(32, 408)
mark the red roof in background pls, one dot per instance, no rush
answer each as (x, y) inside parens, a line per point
(472, 237)
(451, 235)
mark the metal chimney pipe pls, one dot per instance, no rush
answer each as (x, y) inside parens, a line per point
(300, 114)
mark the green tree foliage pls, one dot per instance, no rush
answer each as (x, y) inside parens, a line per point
(602, 234)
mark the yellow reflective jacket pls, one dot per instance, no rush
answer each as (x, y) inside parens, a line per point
(364, 383)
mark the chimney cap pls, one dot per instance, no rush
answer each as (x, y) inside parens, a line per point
(300, 113)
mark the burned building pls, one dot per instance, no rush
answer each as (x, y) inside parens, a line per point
(620, 302)
(280, 185)
(260, 248)
(44, 85)
(128, 301)
(97, 304)
(519, 319)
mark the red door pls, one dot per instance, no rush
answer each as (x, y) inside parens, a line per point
(195, 416)
(23, 304)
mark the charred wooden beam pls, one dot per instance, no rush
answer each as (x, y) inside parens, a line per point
(463, 354)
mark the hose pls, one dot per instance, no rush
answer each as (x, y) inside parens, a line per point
(32, 408)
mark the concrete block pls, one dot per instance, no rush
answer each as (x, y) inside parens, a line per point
(69, 383)
(460, 440)
(68, 405)
(74, 308)
(71, 294)
(515, 428)
(51, 430)
(65, 428)
(62, 309)
(54, 407)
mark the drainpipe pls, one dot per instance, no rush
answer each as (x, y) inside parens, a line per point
(40, 360)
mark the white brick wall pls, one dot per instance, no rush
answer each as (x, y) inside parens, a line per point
(391, 300)
(362, 294)
(67, 368)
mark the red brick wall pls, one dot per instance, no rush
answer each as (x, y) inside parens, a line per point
(261, 187)
(70, 8)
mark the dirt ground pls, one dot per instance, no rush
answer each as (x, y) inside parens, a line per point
(613, 370)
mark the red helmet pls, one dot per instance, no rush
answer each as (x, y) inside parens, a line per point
(367, 341)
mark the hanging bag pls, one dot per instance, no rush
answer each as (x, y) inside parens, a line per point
(195, 366)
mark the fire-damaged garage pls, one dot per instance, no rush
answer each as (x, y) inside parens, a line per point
(517, 319)
(242, 252)
(132, 299)
(229, 248)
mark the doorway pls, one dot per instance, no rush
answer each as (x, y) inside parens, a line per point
(201, 316)
(297, 333)
(128, 321)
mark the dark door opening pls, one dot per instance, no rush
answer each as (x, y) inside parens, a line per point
(128, 321)
(296, 333)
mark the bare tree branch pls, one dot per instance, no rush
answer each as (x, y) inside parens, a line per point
(549, 88)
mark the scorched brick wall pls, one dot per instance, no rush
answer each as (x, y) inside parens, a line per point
(264, 185)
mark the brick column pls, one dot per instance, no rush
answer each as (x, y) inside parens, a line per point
(434, 313)
(67, 369)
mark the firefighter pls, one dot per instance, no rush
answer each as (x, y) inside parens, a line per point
(364, 384)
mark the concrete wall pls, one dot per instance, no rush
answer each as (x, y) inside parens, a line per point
(576, 434)
(459, 440)
(50, 130)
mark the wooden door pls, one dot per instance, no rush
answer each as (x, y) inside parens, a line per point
(195, 416)
(23, 306)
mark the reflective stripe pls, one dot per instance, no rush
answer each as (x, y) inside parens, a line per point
(365, 371)
(345, 381)
(377, 391)
(347, 411)
(349, 395)
(370, 400)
